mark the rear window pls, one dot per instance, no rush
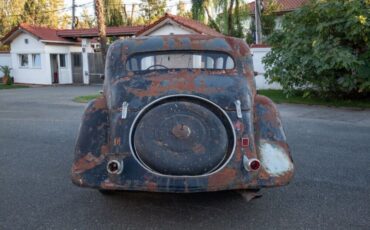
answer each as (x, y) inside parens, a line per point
(180, 60)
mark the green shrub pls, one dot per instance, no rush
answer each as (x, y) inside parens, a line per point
(324, 46)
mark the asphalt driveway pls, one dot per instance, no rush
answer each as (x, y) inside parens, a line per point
(38, 126)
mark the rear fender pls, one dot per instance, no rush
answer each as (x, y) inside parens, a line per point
(272, 147)
(92, 141)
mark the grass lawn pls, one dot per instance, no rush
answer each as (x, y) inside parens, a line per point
(85, 99)
(2, 86)
(278, 97)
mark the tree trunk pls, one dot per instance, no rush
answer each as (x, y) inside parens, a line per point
(125, 14)
(230, 18)
(132, 14)
(99, 12)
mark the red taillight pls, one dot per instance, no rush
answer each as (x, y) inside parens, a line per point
(254, 164)
(245, 142)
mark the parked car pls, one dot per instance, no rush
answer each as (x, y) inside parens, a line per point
(180, 113)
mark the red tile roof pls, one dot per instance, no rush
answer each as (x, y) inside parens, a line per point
(186, 22)
(68, 36)
(111, 31)
(43, 33)
(286, 5)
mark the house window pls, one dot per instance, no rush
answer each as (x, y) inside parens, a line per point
(26, 41)
(36, 60)
(62, 60)
(23, 60)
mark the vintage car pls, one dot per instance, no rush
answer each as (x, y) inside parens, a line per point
(180, 113)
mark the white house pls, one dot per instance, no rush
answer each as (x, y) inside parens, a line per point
(39, 56)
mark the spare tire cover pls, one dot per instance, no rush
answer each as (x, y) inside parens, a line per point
(180, 138)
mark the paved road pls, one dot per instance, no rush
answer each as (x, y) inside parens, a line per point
(38, 126)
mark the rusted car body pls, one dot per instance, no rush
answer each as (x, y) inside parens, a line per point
(180, 113)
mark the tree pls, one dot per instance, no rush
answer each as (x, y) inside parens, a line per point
(113, 13)
(65, 21)
(268, 16)
(153, 9)
(324, 46)
(181, 10)
(231, 15)
(10, 14)
(85, 20)
(42, 12)
(99, 12)
(197, 10)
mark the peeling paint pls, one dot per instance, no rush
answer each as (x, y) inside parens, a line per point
(274, 159)
(209, 154)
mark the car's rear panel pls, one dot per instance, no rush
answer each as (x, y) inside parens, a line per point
(180, 130)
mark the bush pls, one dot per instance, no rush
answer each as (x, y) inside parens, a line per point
(324, 46)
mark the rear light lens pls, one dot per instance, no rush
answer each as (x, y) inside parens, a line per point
(245, 142)
(254, 164)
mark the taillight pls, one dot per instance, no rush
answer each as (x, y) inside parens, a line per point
(245, 142)
(251, 164)
(254, 164)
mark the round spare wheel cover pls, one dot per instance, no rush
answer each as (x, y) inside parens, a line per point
(181, 138)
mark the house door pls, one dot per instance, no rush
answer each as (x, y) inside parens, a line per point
(76, 60)
(54, 68)
(59, 70)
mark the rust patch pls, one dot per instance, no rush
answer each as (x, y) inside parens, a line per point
(108, 185)
(87, 162)
(239, 126)
(198, 148)
(151, 186)
(100, 103)
(222, 178)
(117, 141)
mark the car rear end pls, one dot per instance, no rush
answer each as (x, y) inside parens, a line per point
(180, 114)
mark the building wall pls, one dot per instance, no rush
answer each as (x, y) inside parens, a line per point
(5, 60)
(261, 82)
(30, 74)
(169, 29)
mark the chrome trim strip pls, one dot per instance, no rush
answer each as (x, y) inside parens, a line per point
(238, 109)
(124, 110)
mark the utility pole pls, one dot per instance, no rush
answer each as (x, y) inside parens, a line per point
(99, 12)
(257, 20)
(73, 14)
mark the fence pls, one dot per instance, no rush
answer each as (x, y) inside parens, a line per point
(96, 68)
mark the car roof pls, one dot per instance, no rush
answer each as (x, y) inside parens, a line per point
(233, 46)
